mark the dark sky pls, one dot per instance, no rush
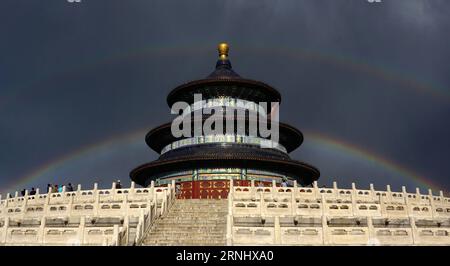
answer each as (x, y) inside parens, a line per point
(93, 77)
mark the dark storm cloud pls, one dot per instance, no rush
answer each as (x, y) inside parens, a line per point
(375, 75)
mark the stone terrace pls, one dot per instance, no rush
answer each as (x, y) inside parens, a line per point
(336, 216)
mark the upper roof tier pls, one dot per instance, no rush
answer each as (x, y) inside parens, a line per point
(224, 82)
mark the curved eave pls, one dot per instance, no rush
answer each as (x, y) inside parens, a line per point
(157, 138)
(185, 91)
(303, 172)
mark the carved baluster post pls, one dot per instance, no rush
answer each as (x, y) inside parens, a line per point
(116, 238)
(229, 236)
(41, 233)
(418, 194)
(229, 230)
(382, 208)
(5, 229)
(274, 188)
(262, 206)
(132, 188)
(47, 202)
(324, 221)
(414, 231)
(295, 189)
(389, 193)
(155, 197)
(96, 198)
(316, 189)
(7, 199)
(277, 231)
(335, 189)
(404, 194)
(174, 190)
(231, 186)
(25, 202)
(372, 191)
(406, 200)
(293, 202)
(81, 229)
(252, 188)
(325, 233)
(370, 229)
(353, 195)
(152, 187)
(431, 201)
(113, 188)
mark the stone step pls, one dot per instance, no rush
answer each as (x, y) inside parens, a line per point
(201, 200)
(190, 228)
(188, 224)
(194, 214)
(192, 218)
(187, 232)
(187, 242)
(198, 206)
(198, 211)
(200, 220)
(209, 203)
(185, 221)
(203, 230)
(184, 244)
(177, 237)
(192, 241)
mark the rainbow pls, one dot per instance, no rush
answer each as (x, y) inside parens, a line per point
(351, 149)
(358, 66)
(298, 53)
(45, 170)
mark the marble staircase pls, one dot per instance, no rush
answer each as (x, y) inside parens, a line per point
(191, 222)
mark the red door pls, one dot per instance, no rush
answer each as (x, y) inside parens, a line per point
(195, 189)
(206, 189)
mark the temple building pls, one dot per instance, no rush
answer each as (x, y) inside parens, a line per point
(229, 185)
(204, 164)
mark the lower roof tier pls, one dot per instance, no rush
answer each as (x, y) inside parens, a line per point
(225, 157)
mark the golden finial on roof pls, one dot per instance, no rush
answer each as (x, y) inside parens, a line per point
(223, 50)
